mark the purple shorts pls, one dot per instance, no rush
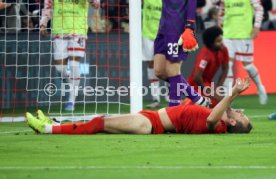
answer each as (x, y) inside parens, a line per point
(168, 46)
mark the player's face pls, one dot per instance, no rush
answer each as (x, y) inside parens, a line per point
(239, 116)
(218, 44)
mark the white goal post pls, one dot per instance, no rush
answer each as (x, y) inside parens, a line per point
(135, 46)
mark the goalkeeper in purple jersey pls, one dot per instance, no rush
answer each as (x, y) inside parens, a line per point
(175, 39)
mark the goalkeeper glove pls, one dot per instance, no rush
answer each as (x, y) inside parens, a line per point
(188, 39)
(95, 3)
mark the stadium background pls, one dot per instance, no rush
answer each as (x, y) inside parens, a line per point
(115, 66)
(26, 155)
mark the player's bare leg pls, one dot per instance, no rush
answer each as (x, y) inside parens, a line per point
(254, 75)
(229, 80)
(154, 85)
(160, 66)
(129, 124)
(173, 68)
(61, 67)
(74, 81)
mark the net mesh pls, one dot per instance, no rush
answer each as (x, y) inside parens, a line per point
(30, 81)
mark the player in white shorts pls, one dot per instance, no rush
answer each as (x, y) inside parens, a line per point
(73, 47)
(148, 54)
(240, 49)
(151, 17)
(69, 32)
(239, 31)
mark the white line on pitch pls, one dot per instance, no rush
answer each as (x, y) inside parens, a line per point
(130, 167)
(13, 132)
(257, 116)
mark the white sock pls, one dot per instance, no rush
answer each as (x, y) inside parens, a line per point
(155, 91)
(204, 101)
(48, 129)
(154, 83)
(74, 80)
(151, 74)
(253, 73)
(229, 80)
(62, 69)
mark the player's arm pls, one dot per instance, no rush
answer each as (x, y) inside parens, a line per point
(187, 40)
(95, 3)
(220, 6)
(191, 11)
(221, 80)
(223, 105)
(198, 77)
(259, 14)
(200, 66)
(223, 75)
(224, 67)
(4, 5)
(47, 12)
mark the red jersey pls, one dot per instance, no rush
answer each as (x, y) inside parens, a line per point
(209, 62)
(191, 119)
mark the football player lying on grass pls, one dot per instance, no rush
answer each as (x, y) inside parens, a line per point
(186, 119)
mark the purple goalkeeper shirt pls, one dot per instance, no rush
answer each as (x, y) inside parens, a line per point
(172, 24)
(174, 15)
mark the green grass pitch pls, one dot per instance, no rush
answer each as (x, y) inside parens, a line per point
(27, 155)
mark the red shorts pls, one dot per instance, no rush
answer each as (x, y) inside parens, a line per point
(153, 116)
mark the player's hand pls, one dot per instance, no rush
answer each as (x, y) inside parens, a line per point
(43, 30)
(241, 85)
(4, 5)
(188, 41)
(255, 32)
(95, 3)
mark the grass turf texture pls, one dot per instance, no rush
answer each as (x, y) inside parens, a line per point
(27, 155)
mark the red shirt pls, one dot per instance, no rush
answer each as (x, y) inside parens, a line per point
(191, 119)
(209, 62)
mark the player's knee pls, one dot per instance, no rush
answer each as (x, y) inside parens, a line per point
(173, 71)
(160, 74)
(62, 61)
(151, 64)
(75, 58)
(144, 127)
(247, 64)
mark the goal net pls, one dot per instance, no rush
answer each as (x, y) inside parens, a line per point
(30, 79)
